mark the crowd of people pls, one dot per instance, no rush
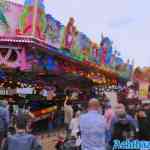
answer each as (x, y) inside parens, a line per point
(14, 129)
(99, 125)
(94, 127)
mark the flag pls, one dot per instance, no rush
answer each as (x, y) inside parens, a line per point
(109, 55)
(103, 56)
(106, 45)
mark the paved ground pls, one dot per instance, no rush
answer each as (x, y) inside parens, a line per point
(49, 142)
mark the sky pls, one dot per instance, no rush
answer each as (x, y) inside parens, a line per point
(126, 22)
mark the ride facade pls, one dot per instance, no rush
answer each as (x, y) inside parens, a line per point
(36, 38)
(36, 47)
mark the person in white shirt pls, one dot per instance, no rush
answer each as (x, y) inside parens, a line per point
(68, 113)
(74, 124)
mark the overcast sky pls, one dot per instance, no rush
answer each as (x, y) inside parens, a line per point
(127, 22)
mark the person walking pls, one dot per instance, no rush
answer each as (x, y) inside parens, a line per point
(68, 113)
(93, 128)
(21, 140)
(24, 112)
(74, 124)
(109, 114)
(4, 120)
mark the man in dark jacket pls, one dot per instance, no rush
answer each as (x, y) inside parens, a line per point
(123, 125)
(147, 111)
(144, 125)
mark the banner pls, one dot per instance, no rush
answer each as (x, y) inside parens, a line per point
(7, 91)
(143, 90)
(25, 90)
(53, 31)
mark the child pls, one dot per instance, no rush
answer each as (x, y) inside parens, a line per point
(78, 142)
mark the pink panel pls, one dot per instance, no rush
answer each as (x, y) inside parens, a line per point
(12, 14)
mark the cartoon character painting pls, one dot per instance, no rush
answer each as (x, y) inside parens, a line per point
(75, 51)
(69, 34)
(3, 19)
(85, 46)
(4, 26)
(123, 69)
(52, 30)
(81, 48)
(95, 54)
(106, 46)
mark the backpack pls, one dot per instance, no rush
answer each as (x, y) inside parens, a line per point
(22, 116)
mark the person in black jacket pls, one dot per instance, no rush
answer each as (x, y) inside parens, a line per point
(123, 130)
(146, 108)
(144, 125)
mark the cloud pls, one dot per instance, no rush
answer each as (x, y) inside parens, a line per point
(121, 22)
(127, 22)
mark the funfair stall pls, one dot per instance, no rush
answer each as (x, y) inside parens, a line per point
(40, 55)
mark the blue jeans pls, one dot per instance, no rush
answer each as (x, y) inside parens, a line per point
(50, 127)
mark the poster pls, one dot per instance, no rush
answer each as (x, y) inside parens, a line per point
(143, 90)
(53, 31)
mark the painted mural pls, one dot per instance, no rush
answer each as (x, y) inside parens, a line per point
(13, 58)
(3, 20)
(69, 35)
(31, 19)
(105, 50)
(9, 17)
(53, 31)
